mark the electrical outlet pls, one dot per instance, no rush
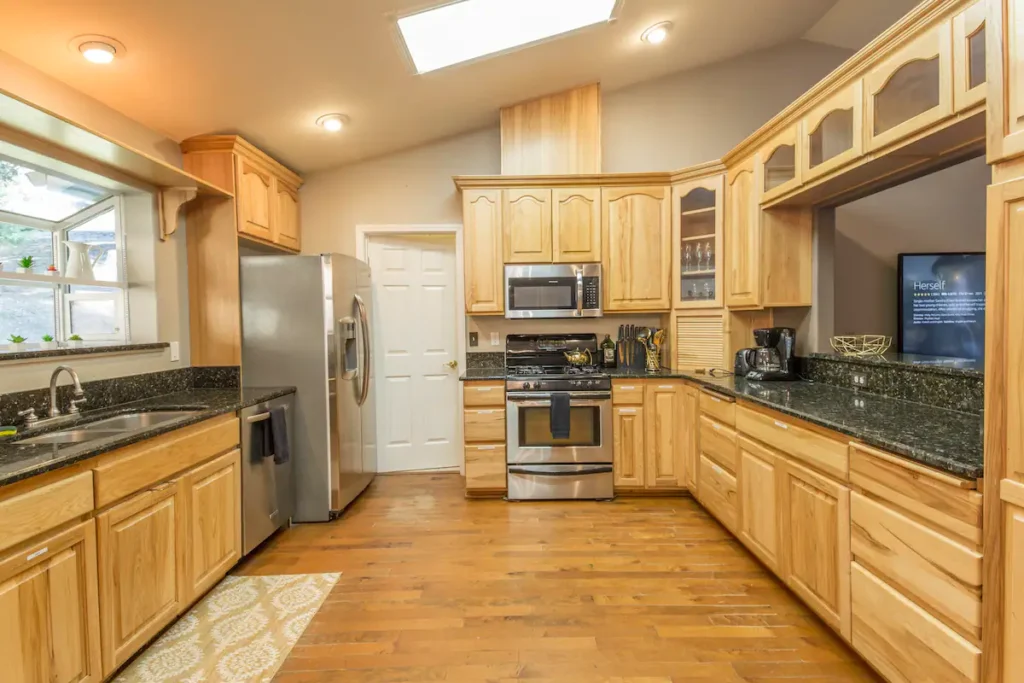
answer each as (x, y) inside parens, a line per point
(495, 339)
(175, 352)
(859, 380)
(858, 403)
(474, 339)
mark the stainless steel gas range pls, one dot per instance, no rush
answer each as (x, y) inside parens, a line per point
(559, 420)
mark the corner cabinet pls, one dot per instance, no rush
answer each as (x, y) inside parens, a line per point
(742, 237)
(1005, 48)
(482, 244)
(697, 226)
(636, 233)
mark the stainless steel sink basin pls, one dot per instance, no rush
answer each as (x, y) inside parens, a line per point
(132, 421)
(72, 436)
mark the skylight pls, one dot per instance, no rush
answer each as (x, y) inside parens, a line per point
(469, 29)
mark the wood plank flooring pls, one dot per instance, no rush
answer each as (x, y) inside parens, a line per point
(438, 588)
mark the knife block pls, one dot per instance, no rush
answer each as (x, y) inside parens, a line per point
(631, 355)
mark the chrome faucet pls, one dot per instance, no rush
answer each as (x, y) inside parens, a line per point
(75, 402)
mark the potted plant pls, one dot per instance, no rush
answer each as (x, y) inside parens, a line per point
(51, 270)
(75, 342)
(48, 344)
(25, 264)
(17, 343)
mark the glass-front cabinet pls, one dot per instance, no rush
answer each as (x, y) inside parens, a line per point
(697, 239)
(833, 133)
(778, 159)
(912, 89)
(969, 71)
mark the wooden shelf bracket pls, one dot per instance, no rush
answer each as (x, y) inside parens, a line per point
(171, 200)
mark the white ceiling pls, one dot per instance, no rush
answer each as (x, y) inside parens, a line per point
(268, 69)
(855, 23)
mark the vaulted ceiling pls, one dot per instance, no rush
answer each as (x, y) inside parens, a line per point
(268, 69)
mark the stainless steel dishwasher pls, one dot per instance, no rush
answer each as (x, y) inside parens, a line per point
(268, 498)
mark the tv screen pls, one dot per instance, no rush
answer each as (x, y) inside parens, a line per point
(942, 305)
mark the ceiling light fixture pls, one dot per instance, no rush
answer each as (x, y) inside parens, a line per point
(657, 34)
(332, 122)
(97, 49)
(462, 31)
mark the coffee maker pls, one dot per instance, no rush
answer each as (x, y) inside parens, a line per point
(772, 359)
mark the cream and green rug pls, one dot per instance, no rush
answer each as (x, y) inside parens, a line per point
(240, 632)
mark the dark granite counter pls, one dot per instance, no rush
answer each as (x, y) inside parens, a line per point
(91, 349)
(474, 374)
(21, 461)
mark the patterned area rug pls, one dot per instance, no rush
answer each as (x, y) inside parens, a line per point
(240, 632)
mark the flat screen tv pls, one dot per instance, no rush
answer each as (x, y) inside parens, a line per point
(942, 305)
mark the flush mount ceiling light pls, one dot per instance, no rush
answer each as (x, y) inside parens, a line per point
(657, 34)
(97, 49)
(332, 122)
(466, 30)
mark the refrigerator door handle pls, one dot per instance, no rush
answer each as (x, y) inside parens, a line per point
(364, 325)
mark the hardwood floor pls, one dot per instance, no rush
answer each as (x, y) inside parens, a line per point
(436, 587)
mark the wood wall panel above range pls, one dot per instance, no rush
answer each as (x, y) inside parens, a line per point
(557, 134)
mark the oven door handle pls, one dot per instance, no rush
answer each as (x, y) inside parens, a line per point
(538, 471)
(535, 400)
(579, 293)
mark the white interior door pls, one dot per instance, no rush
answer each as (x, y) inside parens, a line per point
(417, 392)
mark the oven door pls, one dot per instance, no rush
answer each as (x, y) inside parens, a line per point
(528, 426)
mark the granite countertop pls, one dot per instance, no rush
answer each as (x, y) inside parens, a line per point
(92, 349)
(21, 461)
(912, 361)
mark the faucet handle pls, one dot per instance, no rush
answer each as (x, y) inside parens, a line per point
(29, 415)
(75, 402)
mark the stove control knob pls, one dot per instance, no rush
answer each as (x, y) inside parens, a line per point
(527, 385)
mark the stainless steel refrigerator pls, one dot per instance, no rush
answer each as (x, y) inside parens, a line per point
(306, 322)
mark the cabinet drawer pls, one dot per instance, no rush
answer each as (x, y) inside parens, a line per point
(722, 408)
(38, 510)
(628, 393)
(717, 489)
(483, 394)
(820, 452)
(935, 571)
(133, 468)
(902, 641)
(718, 442)
(487, 426)
(485, 467)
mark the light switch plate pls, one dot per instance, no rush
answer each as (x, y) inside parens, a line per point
(474, 339)
(175, 352)
(495, 339)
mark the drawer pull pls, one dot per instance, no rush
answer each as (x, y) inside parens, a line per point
(627, 411)
(717, 427)
(781, 425)
(717, 469)
(165, 486)
(665, 386)
(485, 412)
(716, 400)
(38, 553)
(486, 448)
(629, 388)
(486, 388)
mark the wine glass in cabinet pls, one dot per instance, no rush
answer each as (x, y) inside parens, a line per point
(697, 239)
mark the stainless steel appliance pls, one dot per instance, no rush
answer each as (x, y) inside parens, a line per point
(306, 322)
(268, 497)
(553, 291)
(543, 465)
(774, 357)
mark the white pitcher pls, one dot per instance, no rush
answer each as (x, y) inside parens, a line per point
(79, 265)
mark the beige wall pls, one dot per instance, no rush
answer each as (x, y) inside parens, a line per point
(158, 270)
(941, 212)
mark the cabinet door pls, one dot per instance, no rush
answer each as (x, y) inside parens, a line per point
(665, 434)
(628, 453)
(912, 89)
(1005, 44)
(576, 225)
(485, 274)
(969, 69)
(758, 482)
(49, 630)
(697, 225)
(779, 170)
(691, 412)
(743, 238)
(833, 133)
(816, 540)
(635, 243)
(141, 589)
(254, 200)
(286, 216)
(213, 494)
(526, 215)
(1013, 596)
(486, 467)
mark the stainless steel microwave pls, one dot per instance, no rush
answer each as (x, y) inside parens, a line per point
(553, 291)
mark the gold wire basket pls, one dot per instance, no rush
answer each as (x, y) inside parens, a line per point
(861, 344)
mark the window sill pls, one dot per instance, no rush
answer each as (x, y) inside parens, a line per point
(88, 349)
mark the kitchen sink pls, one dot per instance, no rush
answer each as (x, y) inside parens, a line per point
(78, 435)
(111, 426)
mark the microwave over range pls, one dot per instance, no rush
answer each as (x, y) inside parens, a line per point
(553, 291)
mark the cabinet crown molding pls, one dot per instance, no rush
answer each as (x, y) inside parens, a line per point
(654, 178)
(239, 145)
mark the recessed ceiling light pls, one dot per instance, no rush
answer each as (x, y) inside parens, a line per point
(97, 49)
(332, 122)
(461, 31)
(657, 34)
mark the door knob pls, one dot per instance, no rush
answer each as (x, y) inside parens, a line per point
(452, 364)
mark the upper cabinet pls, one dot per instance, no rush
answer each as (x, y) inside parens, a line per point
(910, 90)
(742, 238)
(576, 224)
(1004, 35)
(969, 69)
(266, 193)
(832, 133)
(483, 238)
(527, 222)
(697, 224)
(636, 232)
(780, 172)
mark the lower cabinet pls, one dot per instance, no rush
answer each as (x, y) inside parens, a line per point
(1013, 598)
(758, 478)
(665, 435)
(716, 489)
(50, 627)
(654, 434)
(213, 495)
(484, 434)
(628, 450)
(691, 446)
(141, 584)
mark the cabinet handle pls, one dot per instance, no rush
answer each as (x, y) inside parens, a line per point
(38, 553)
(162, 487)
(717, 469)
(630, 388)
(717, 427)
(665, 386)
(716, 400)
(781, 425)
(485, 412)
(486, 448)
(627, 411)
(485, 388)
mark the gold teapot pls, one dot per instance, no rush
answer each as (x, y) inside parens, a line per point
(579, 358)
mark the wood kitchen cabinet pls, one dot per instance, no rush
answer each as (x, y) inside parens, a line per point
(255, 198)
(484, 434)
(1004, 36)
(213, 496)
(691, 413)
(697, 227)
(636, 233)
(483, 239)
(526, 218)
(743, 237)
(654, 433)
(48, 598)
(758, 479)
(576, 224)
(628, 432)
(666, 435)
(779, 167)
(287, 219)
(969, 68)
(833, 132)
(1013, 597)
